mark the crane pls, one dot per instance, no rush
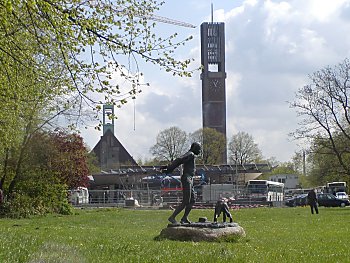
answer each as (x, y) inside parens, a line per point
(161, 19)
(166, 20)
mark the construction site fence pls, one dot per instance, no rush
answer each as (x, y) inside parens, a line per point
(160, 198)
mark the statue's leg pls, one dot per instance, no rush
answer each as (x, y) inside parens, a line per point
(185, 200)
(185, 219)
(230, 216)
(216, 213)
(178, 209)
(189, 200)
(227, 213)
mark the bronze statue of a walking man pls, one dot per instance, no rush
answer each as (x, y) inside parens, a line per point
(188, 193)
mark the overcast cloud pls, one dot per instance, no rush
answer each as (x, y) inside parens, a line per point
(271, 47)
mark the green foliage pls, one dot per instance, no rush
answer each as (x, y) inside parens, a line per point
(86, 45)
(306, 182)
(50, 164)
(213, 145)
(92, 163)
(60, 153)
(152, 162)
(56, 58)
(38, 193)
(123, 235)
(283, 168)
(324, 164)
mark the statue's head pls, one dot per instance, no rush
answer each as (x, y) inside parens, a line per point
(195, 148)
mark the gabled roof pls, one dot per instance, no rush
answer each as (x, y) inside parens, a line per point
(111, 154)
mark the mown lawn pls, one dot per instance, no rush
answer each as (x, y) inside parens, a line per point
(123, 235)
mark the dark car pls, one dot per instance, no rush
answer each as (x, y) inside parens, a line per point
(290, 202)
(329, 200)
(299, 200)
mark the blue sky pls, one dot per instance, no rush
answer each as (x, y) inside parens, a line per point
(271, 47)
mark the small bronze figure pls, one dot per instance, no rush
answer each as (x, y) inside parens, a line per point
(222, 207)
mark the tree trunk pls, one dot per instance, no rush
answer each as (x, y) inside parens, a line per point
(5, 169)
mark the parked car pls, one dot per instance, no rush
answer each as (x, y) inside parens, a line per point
(331, 200)
(290, 202)
(299, 200)
(342, 195)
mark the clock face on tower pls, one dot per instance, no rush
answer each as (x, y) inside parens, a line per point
(215, 84)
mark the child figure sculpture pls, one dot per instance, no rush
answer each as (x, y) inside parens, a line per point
(222, 207)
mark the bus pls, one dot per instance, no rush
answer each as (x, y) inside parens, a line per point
(335, 187)
(264, 190)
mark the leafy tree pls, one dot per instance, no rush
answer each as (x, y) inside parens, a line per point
(57, 57)
(324, 165)
(299, 163)
(171, 143)
(30, 83)
(280, 168)
(242, 149)
(153, 162)
(71, 160)
(323, 106)
(213, 144)
(283, 168)
(95, 40)
(39, 192)
(51, 164)
(61, 153)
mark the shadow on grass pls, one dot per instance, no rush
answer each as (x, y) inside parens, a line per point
(226, 239)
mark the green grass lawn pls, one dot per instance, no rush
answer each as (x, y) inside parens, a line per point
(122, 235)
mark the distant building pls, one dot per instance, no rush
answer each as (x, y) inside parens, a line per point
(231, 174)
(109, 151)
(291, 181)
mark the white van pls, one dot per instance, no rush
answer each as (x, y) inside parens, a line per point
(78, 196)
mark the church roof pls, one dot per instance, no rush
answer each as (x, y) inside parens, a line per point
(110, 152)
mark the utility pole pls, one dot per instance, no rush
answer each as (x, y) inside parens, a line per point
(304, 163)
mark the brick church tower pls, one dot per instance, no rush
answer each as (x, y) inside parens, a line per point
(213, 78)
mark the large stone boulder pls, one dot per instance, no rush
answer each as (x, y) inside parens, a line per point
(207, 231)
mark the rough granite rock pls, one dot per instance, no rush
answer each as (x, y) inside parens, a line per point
(203, 232)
